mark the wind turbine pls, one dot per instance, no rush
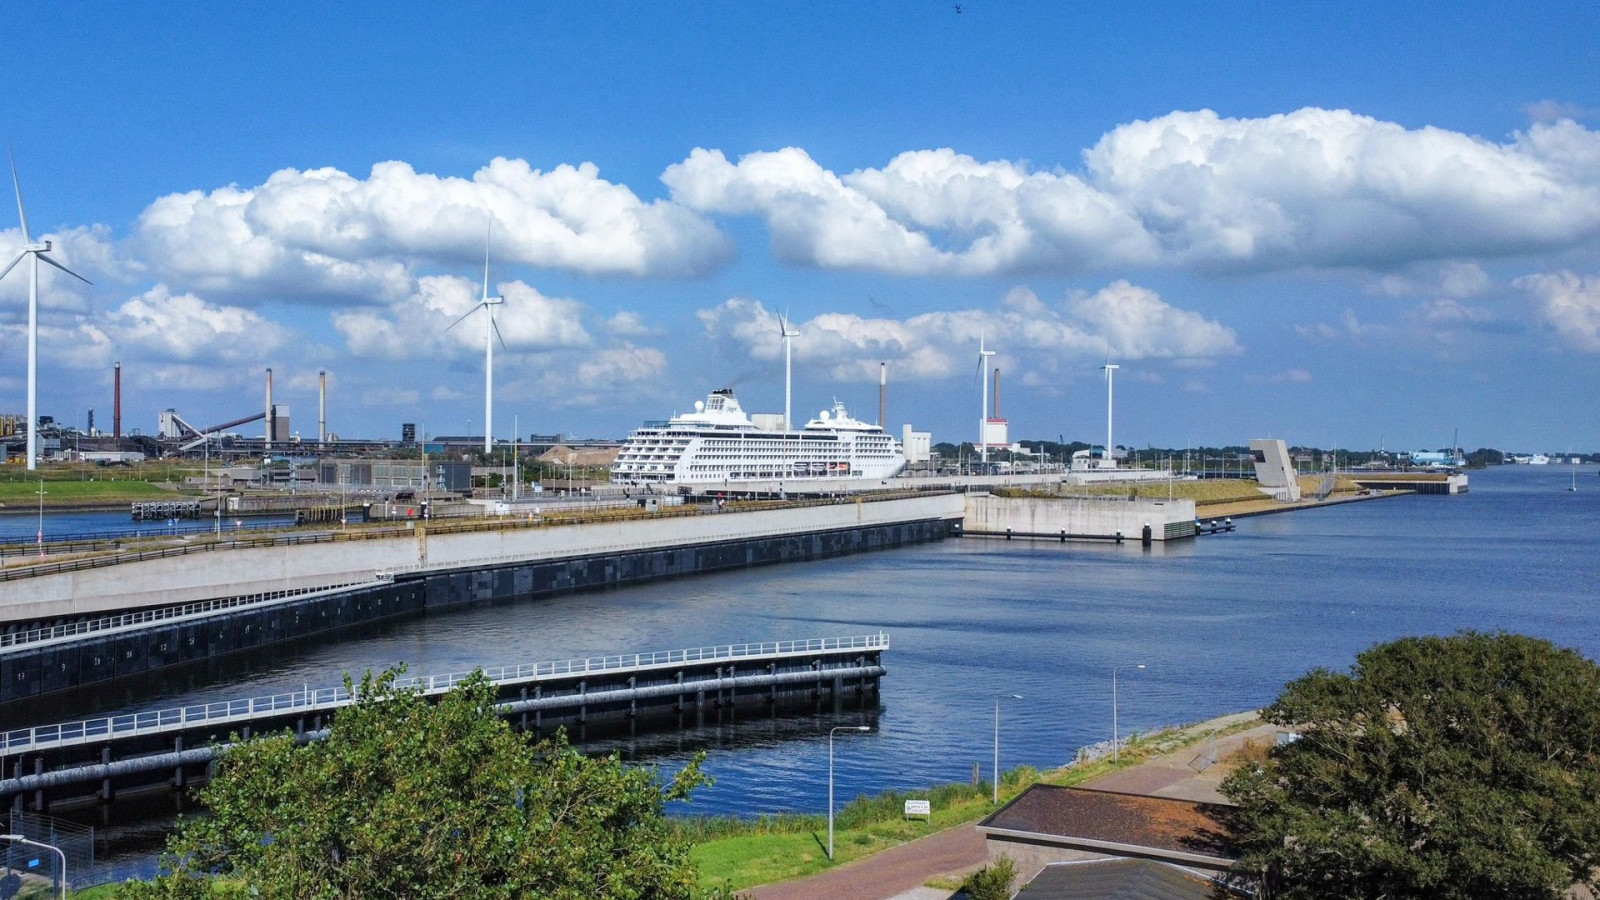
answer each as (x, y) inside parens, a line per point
(491, 332)
(788, 367)
(983, 423)
(37, 251)
(1110, 369)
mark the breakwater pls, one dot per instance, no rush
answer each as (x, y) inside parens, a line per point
(53, 664)
(198, 570)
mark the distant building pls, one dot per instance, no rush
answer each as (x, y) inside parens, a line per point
(167, 425)
(1275, 469)
(996, 435)
(918, 445)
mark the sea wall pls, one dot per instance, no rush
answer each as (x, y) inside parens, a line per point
(204, 576)
(33, 672)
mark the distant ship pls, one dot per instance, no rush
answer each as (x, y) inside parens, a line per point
(718, 443)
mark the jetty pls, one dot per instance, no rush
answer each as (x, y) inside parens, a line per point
(98, 757)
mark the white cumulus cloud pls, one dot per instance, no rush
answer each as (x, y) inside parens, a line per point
(326, 232)
(1031, 336)
(1570, 304)
(1315, 187)
(430, 323)
(993, 217)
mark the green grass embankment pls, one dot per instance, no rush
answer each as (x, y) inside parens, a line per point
(22, 496)
(747, 852)
(85, 486)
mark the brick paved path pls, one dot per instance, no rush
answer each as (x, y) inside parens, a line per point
(886, 874)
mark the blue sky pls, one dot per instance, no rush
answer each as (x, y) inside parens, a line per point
(1334, 224)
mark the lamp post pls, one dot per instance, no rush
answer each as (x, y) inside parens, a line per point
(41, 516)
(1116, 747)
(997, 699)
(17, 838)
(830, 777)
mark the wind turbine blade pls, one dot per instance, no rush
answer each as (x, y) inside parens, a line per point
(17, 186)
(13, 264)
(497, 334)
(475, 308)
(43, 258)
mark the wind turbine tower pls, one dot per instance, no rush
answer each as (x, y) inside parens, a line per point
(789, 334)
(37, 250)
(491, 333)
(983, 423)
(1110, 370)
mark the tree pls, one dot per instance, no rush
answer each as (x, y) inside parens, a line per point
(407, 798)
(1440, 767)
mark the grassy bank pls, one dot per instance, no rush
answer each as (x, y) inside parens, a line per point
(83, 485)
(747, 852)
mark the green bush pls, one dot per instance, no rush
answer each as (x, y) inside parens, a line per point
(992, 882)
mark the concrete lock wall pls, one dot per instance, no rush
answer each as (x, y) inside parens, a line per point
(1078, 517)
(204, 576)
(34, 672)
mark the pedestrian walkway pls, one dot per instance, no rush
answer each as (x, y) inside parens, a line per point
(898, 873)
(902, 873)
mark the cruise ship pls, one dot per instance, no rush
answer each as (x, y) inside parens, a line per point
(719, 443)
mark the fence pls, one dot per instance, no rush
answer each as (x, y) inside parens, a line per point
(76, 842)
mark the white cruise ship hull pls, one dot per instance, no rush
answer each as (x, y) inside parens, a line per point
(718, 445)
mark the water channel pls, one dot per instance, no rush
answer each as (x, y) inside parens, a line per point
(1220, 623)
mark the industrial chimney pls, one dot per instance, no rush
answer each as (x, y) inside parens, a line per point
(267, 444)
(322, 409)
(997, 394)
(883, 395)
(116, 402)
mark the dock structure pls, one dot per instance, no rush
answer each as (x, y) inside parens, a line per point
(1083, 518)
(199, 570)
(1416, 482)
(350, 586)
(96, 758)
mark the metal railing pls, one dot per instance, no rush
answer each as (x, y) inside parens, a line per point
(145, 617)
(89, 731)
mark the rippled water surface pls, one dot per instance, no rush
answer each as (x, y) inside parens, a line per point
(1221, 623)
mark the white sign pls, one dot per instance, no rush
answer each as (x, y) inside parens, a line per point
(918, 808)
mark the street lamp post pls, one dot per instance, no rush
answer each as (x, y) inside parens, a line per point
(830, 777)
(997, 699)
(41, 517)
(17, 838)
(1116, 746)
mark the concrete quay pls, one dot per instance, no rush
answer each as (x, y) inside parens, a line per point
(286, 566)
(1079, 518)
